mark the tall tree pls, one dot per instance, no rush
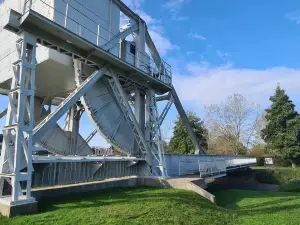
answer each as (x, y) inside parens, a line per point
(235, 121)
(282, 132)
(181, 143)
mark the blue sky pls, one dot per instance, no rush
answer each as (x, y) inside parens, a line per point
(256, 34)
(218, 47)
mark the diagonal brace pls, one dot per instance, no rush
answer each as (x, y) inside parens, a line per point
(3, 113)
(185, 121)
(63, 107)
(165, 111)
(121, 35)
(138, 134)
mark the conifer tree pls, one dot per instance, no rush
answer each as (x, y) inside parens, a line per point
(181, 143)
(282, 132)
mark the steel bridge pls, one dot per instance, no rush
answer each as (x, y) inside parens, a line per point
(64, 58)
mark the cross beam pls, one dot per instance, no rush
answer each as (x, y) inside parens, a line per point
(121, 35)
(63, 107)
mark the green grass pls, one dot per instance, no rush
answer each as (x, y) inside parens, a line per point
(260, 208)
(128, 206)
(167, 206)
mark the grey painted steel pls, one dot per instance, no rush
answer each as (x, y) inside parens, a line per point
(185, 121)
(122, 100)
(3, 113)
(53, 35)
(189, 164)
(52, 174)
(56, 140)
(104, 112)
(122, 35)
(166, 110)
(66, 104)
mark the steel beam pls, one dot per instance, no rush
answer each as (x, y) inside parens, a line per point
(154, 53)
(129, 115)
(185, 121)
(91, 135)
(127, 11)
(52, 118)
(165, 110)
(163, 98)
(3, 113)
(121, 35)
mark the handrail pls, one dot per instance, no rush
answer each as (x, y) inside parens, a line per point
(149, 66)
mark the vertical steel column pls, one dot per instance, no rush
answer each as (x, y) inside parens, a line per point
(153, 132)
(16, 151)
(72, 125)
(139, 109)
(140, 45)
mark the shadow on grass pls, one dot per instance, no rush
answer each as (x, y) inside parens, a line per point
(227, 201)
(121, 196)
(265, 205)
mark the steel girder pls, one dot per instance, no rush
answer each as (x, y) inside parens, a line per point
(16, 151)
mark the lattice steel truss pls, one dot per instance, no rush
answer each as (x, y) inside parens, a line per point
(153, 132)
(16, 154)
(129, 115)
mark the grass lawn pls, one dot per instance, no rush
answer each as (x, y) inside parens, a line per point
(128, 206)
(260, 208)
(167, 206)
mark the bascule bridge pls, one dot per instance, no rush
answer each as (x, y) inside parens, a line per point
(63, 58)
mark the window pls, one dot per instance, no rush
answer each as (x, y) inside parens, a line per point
(132, 49)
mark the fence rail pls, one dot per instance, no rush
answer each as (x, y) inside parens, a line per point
(94, 28)
(180, 165)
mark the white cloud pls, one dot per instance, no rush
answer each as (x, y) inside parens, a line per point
(203, 84)
(155, 27)
(134, 4)
(162, 44)
(223, 55)
(179, 18)
(156, 31)
(197, 36)
(147, 18)
(174, 5)
(189, 53)
(294, 16)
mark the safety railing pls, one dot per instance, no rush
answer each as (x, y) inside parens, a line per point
(206, 165)
(81, 20)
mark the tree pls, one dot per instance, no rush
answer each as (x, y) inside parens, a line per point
(181, 143)
(220, 146)
(259, 150)
(235, 121)
(282, 132)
